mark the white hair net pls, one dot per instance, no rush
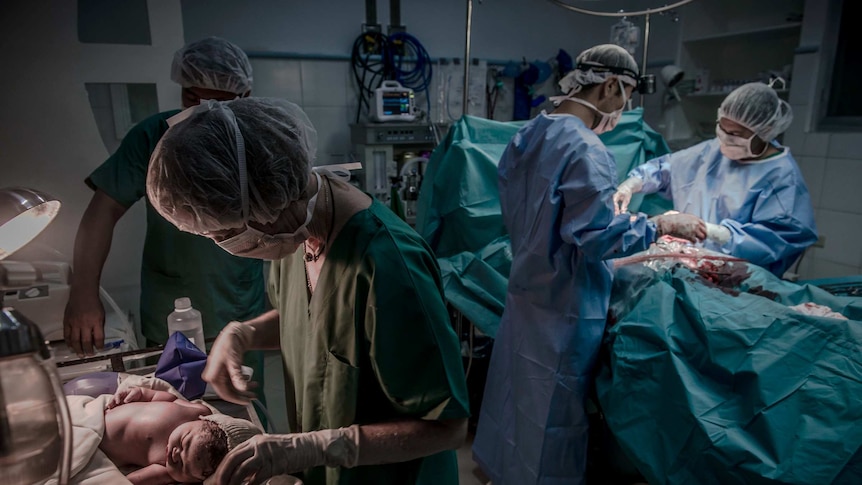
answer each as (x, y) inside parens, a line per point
(757, 107)
(596, 64)
(231, 162)
(212, 63)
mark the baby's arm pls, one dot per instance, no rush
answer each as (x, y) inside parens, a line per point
(154, 474)
(139, 394)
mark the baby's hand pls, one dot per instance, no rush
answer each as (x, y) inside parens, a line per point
(125, 396)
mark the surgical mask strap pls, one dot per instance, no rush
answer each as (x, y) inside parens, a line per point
(243, 169)
(210, 104)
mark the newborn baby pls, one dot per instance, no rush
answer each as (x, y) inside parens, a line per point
(171, 439)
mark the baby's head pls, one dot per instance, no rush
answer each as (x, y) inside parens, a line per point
(196, 448)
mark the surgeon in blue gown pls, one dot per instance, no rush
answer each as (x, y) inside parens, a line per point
(557, 181)
(746, 186)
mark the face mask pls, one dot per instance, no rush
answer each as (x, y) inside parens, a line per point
(736, 147)
(608, 121)
(252, 243)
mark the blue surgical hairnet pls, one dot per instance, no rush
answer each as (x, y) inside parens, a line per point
(604, 55)
(194, 179)
(757, 107)
(212, 63)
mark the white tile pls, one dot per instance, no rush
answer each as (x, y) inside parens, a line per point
(353, 103)
(842, 232)
(333, 133)
(794, 136)
(806, 266)
(813, 170)
(804, 75)
(816, 144)
(841, 190)
(827, 269)
(845, 145)
(324, 83)
(277, 78)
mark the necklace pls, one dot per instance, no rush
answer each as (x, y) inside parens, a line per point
(309, 256)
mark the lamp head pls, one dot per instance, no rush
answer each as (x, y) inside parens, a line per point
(24, 214)
(671, 75)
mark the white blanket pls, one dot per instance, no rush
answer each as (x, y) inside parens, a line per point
(89, 465)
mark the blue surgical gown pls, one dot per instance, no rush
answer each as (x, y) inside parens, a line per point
(765, 205)
(556, 182)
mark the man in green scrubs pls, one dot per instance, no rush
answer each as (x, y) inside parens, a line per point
(175, 264)
(375, 387)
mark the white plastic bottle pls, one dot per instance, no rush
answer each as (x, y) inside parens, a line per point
(187, 320)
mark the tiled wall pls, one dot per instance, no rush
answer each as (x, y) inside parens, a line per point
(831, 164)
(324, 91)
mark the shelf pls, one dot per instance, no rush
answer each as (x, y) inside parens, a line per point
(750, 35)
(725, 93)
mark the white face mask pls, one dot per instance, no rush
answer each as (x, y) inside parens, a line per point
(736, 147)
(609, 120)
(252, 243)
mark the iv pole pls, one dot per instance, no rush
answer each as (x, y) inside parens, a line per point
(646, 13)
(467, 57)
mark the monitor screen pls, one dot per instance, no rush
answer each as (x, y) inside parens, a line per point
(396, 102)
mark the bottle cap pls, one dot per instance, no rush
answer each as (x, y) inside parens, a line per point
(183, 303)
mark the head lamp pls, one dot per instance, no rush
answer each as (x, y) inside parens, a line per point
(645, 83)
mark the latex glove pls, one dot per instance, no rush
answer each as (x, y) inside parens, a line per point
(268, 455)
(224, 364)
(717, 233)
(624, 193)
(84, 323)
(684, 226)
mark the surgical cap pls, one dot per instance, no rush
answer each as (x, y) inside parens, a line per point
(212, 63)
(237, 430)
(605, 55)
(757, 107)
(196, 181)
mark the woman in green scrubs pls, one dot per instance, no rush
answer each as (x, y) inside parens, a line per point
(375, 388)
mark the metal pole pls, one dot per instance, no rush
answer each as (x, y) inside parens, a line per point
(646, 47)
(467, 57)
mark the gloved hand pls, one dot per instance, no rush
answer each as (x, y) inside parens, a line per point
(268, 455)
(623, 196)
(224, 364)
(684, 226)
(717, 233)
(84, 323)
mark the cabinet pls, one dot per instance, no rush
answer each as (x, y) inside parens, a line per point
(717, 64)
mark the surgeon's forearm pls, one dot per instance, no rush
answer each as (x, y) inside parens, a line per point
(93, 242)
(405, 440)
(265, 335)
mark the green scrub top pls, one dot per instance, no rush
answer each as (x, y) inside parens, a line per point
(221, 286)
(376, 343)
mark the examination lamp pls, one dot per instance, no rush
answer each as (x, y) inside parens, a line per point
(671, 75)
(24, 214)
(35, 426)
